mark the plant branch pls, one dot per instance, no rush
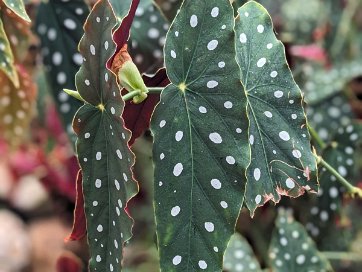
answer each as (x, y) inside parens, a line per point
(155, 89)
(352, 190)
(130, 95)
(316, 137)
(348, 256)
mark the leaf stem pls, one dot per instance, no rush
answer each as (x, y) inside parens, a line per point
(352, 190)
(155, 89)
(134, 93)
(130, 95)
(349, 256)
(344, 27)
(316, 137)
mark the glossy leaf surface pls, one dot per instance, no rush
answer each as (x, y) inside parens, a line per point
(200, 139)
(239, 256)
(102, 146)
(292, 250)
(281, 159)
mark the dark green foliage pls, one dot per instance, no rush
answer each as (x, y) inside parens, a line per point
(104, 155)
(59, 26)
(200, 139)
(292, 250)
(281, 159)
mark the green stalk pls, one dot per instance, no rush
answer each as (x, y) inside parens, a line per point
(316, 137)
(155, 89)
(348, 256)
(354, 191)
(344, 26)
(130, 95)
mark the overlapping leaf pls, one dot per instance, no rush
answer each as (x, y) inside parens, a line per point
(324, 84)
(16, 108)
(17, 6)
(239, 256)
(102, 144)
(18, 32)
(169, 8)
(79, 229)
(7, 58)
(341, 154)
(200, 139)
(292, 250)
(148, 37)
(329, 115)
(281, 159)
(59, 26)
(147, 34)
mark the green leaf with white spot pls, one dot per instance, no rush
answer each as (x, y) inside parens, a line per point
(292, 250)
(340, 154)
(102, 148)
(282, 162)
(59, 26)
(18, 7)
(322, 84)
(239, 256)
(329, 115)
(7, 58)
(200, 139)
(148, 37)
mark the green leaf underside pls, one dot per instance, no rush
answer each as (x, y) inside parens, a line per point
(148, 37)
(292, 250)
(239, 256)
(59, 26)
(6, 57)
(17, 6)
(281, 159)
(102, 145)
(200, 139)
(329, 200)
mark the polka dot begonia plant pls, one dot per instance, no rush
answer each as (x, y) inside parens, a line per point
(227, 122)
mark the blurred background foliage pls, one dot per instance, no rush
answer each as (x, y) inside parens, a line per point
(323, 41)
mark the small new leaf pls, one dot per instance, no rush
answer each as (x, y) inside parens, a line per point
(239, 256)
(292, 250)
(282, 162)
